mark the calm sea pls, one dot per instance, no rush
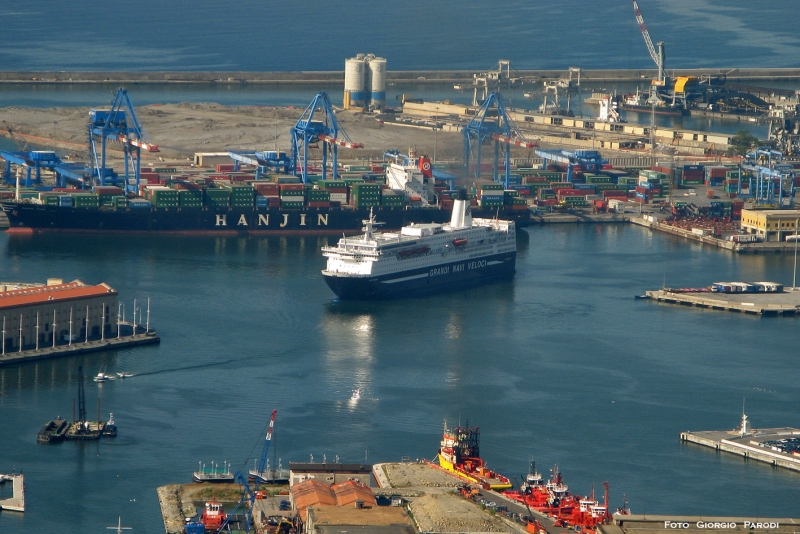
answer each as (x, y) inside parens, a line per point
(265, 35)
(560, 365)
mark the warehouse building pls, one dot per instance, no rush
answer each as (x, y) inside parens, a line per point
(329, 473)
(771, 225)
(41, 316)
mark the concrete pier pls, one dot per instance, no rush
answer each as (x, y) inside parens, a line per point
(749, 444)
(764, 304)
(79, 347)
(17, 501)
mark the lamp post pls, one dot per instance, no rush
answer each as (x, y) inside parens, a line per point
(435, 127)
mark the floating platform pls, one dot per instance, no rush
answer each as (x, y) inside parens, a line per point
(777, 446)
(80, 347)
(17, 502)
(764, 304)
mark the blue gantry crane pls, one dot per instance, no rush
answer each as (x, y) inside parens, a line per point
(247, 500)
(118, 124)
(770, 181)
(589, 160)
(309, 131)
(261, 474)
(492, 123)
(264, 161)
(34, 161)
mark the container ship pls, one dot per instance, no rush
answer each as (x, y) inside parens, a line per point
(460, 454)
(421, 258)
(238, 203)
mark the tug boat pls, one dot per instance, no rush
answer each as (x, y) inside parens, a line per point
(460, 454)
(213, 515)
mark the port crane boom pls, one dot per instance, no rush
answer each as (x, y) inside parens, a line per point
(658, 56)
(259, 475)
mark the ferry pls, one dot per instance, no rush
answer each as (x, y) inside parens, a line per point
(459, 454)
(421, 258)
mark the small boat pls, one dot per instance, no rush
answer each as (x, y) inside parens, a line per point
(356, 394)
(213, 515)
(110, 428)
(123, 374)
(102, 377)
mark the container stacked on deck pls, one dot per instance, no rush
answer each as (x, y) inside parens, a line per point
(490, 195)
(267, 194)
(337, 188)
(319, 198)
(715, 175)
(293, 196)
(731, 183)
(395, 199)
(242, 195)
(365, 195)
(216, 198)
(162, 196)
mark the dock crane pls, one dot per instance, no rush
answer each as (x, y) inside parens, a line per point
(308, 131)
(770, 181)
(39, 159)
(492, 123)
(261, 473)
(586, 159)
(658, 56)
(264, 161)
(118, 124)
(247, 499)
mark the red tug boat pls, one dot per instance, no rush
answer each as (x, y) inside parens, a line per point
(554, 499)
(213, 515)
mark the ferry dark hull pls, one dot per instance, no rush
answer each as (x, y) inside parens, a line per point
(452, 276)
(670, 111)
(27, 218)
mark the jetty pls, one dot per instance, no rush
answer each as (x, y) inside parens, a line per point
(17, 501)
(81, 347)
(786, 302)
(779, 447)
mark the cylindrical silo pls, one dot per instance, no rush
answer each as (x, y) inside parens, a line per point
(376, 67)
(354, 72)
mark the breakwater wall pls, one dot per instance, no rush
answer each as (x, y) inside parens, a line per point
(412, 76)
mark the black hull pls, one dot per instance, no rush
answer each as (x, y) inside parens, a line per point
(452, 276)
(659, 110)
(31, 218)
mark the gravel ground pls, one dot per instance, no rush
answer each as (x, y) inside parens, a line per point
(183, 129)
(421, 476)
(450, 513)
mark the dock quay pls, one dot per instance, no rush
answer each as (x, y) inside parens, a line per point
(779, 447)
(175, 508)
(764, 304)
(651, 524)
(741, 248)
(16, 503)
(81, 347)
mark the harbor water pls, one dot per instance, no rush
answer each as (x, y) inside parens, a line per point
(560, 365)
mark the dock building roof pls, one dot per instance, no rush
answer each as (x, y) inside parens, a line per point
(59, 292)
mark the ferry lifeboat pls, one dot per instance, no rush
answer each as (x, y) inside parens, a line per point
(213, 515)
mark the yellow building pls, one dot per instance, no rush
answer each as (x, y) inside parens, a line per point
(771, 225)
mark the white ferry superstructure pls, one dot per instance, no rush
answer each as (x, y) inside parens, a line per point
(422, 258)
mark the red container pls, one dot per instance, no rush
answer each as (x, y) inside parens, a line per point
(225, 167)
(108, 190)
(274, 202)
(292, 187)
(319, 204)
(615, 194)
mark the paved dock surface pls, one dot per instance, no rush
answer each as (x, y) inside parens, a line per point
(79, 348)
(16, 502)
(765, 304)
(749, 445)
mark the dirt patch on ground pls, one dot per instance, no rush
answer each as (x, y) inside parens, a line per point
(449, 513)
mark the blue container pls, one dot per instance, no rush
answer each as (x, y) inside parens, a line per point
(140, 204)
(65, 201)
(583, 186)
(646, 185)
(262, 202)
(692, 167)
(44, 188)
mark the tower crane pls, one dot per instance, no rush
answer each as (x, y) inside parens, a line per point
(492, 123)
(261, 473)
(308, 131)
(658, 56)
(118, 124)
